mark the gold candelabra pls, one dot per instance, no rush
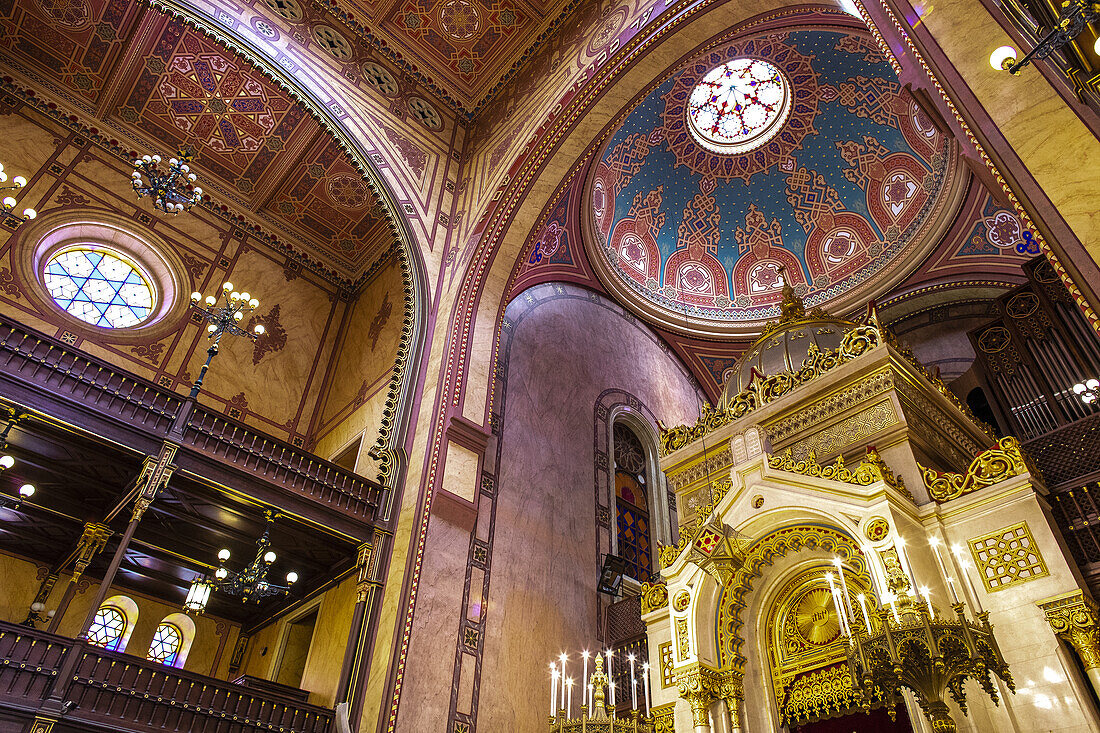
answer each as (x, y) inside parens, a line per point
(597, 711)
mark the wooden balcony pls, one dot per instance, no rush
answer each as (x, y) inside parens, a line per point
(97, 398)
(105, 691)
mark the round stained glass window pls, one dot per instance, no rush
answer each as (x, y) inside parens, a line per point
(99, 287)
(739, 106)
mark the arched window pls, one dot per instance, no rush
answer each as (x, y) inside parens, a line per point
(631, 503)
(113, 623)
(172, 640)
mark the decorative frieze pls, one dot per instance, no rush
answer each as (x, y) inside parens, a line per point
(808, 417)
(855, 429)
(871, 469)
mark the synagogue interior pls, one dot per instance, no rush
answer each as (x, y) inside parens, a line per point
(574, 366)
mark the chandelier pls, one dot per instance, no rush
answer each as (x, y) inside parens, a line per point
(9, 202)
(248, 584)
(905, 641)
(171, 189)
(222, 319)
(26, 491)
(597, 698)
(1074, 17)
(1088, 391)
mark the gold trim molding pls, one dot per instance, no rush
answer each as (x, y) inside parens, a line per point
(654, 596)
(870, 470)
(664, 718)
(1003, 461)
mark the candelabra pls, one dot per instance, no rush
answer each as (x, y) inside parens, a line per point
(597, 708)
(1071, 22)
(906, 642)
(249, 584)
(172, 190)
(222, 319)
(9, 202)
(1088, 391)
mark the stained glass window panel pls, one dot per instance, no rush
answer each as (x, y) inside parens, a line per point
(99, 287)
(167, 640)
(739, 106)
(108, 628)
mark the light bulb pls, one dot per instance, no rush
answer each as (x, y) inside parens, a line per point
(38, 607)
(238, 316)
(136, 175)
(1079, 388)
(223, 554)
(30, 213)
(253, 304)
(3, 176)
(245, 295)
(227, 286)
(291, 578)
(259, 329)
(196, 297)
(1096, 46)
(156, 158)
(184, 168)
(191, 177)
(19, 181)
(221, 573)
(146, 159)
(50, 613)
(211, 300)
(1093, 384)
(6, 462)
(26, 491)
(211, 328)
(269, 557)
(1002, 57)
(9, 202)
(172, 161)
(234, 296)
(198, 191)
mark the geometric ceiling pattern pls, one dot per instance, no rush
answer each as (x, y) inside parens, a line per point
(846, 196)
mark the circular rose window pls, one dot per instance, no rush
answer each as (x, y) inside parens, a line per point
(739, 106)
(99, 287)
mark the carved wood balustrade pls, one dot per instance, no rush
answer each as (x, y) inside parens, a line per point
(114, 692)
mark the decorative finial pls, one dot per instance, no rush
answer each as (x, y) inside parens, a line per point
(792, 308)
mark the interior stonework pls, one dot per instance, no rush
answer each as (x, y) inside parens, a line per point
(490, 251)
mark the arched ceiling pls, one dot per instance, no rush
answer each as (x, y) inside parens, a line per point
(844, 201)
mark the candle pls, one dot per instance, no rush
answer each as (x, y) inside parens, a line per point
(610, 678)
(935, 542)
(837, 605)
(899, 544)
(553, 690)
(844, 589)
(584, 675)
(645, 686)
(957, 551)
(863, 607)
(591, 700)
(890, 598)
(562, 658)
(927, 599)
(633, 683)
(569, 704)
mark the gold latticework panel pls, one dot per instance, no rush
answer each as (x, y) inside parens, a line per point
(1008, 557)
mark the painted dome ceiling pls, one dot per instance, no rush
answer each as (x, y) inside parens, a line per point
(793, 156)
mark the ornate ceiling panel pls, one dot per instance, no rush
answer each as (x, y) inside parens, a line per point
(847, 197)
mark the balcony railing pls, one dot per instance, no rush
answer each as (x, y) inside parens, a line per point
(48, 366)
(110, 691)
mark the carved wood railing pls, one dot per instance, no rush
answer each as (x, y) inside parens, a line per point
(97, 391)
(110, 691)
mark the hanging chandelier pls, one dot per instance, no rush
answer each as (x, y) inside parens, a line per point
(171, 189)
(26, 491)
(248, 584)
(9, 202)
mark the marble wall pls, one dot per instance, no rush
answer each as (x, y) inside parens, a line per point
(564, 347)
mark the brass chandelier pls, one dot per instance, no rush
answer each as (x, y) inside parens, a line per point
(172, 189)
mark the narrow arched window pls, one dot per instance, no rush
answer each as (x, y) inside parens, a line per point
(167, 640)
(113, 623)
(631, 503)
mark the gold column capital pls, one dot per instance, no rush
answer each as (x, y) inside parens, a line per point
(1075, 618)
(700, 685)
(91, 541)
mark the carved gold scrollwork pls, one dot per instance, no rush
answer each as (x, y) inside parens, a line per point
(654, 596)
(992, 466)
(1074, 618)
(871, 469)
(664, 718)
(700, 686)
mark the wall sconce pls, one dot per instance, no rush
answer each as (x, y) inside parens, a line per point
(1075, 16)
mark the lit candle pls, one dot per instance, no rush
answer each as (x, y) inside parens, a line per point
(633, 684)
(927, 599)
(569, 704)
(837, 605)
(553, 690)
(591, 700)
(863, 607)
(562, 658)
(890, 599)
(935, 542)
(584, 675)
(957, 551)
(843, 588)
(645, 686)
(610, 678)
(899, 544)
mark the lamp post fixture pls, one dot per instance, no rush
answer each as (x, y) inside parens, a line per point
(171, 189)
(1088, 391)
(9, 202)
(223, 315)
(26, 491)
(1071, 22)
(249, 584)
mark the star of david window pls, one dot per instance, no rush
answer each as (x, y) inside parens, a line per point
(107, 628)
(165, 648)
(739, 106)
(99, 287)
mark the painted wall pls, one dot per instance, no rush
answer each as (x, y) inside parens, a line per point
(21, 582)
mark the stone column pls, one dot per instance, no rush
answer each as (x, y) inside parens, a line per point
(701, 686)
(1074, 617)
